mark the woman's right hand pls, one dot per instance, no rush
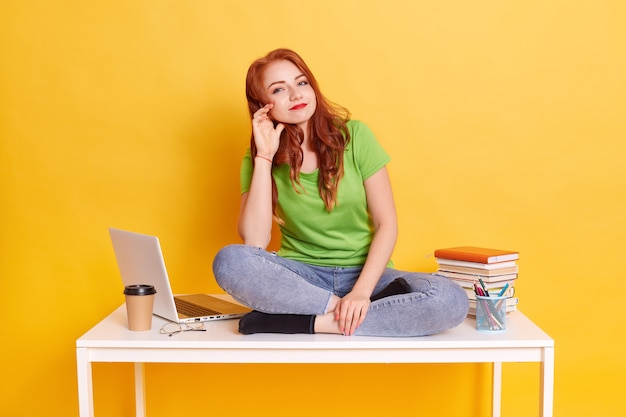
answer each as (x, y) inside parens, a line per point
(266, 136)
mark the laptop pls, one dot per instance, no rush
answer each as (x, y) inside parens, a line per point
(140, 261)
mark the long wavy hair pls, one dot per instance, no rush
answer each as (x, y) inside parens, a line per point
(328, 133)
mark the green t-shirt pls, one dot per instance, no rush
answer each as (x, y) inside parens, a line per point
(312, 234)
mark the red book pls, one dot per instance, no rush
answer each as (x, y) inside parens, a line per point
(475, 254)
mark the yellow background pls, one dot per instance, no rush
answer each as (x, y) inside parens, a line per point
(505, 121)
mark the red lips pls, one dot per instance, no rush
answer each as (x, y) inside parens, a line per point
(298, 106)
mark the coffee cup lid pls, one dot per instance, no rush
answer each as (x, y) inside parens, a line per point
(139, 289)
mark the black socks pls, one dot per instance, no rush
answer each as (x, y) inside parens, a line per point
(397, 286)
(257, 322)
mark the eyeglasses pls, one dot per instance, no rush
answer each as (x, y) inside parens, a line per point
(171, 329)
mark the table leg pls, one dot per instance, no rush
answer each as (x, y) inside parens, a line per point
(140, 394)
(85, 385)
(547, 383)
(496, 395)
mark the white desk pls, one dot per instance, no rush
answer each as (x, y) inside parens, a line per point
(111, 341)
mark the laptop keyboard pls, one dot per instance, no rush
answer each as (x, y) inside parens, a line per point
(193, 310)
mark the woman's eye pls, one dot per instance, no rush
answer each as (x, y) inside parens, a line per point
(277, 90)
(303, 83)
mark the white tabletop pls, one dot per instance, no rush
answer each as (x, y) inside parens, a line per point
(113, 332)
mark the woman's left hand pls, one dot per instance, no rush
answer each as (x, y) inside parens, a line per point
(351, 311)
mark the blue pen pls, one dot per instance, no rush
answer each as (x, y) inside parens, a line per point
(503, 290)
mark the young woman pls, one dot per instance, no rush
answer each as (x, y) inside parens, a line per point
(323, 178)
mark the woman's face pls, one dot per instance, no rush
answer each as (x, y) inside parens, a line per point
(288, 89)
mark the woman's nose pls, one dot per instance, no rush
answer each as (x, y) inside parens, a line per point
(295, 94)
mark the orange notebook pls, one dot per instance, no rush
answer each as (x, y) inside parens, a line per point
(475, 254)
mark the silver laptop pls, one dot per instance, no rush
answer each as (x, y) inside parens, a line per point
(140, 261)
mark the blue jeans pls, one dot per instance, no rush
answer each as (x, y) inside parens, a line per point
(269, 283)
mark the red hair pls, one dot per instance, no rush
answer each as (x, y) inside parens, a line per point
(327, 130)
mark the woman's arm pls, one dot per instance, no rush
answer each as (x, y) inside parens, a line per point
(352, 309)
(255, 210)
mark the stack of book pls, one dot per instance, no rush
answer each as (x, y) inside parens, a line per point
(495, 269)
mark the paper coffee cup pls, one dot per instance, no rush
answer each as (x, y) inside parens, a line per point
(139, 305)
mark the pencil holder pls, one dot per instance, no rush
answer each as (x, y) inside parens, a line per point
(490, 314)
